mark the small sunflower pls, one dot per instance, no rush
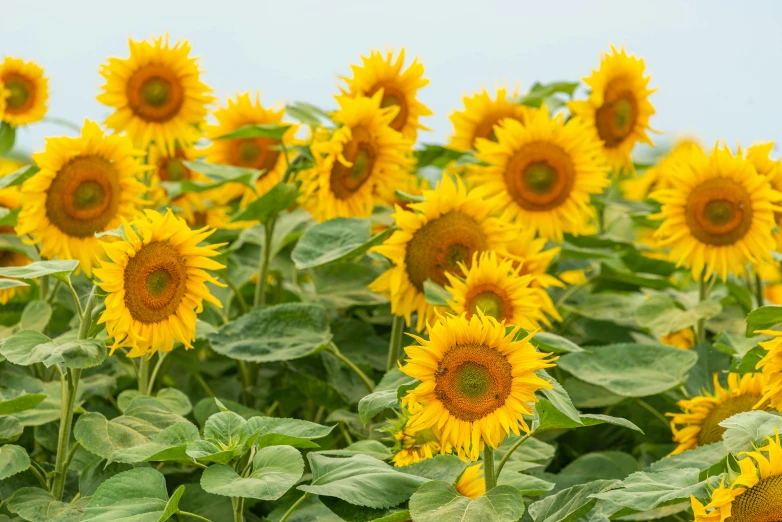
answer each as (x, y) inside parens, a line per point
(156, 282)
(363, 159)
(771, 366)
(86, 185)
(257, 153)
(433, 237)
(718, 215)
(204, 209)
(684, 339)
(413, 446)
(494, 287)
(618, 107)
(476, 382)
(656, 178)
(398, 88)
(157, 94)
(472, 483)
(760, 157)
(170, 167)
(698, 423)
(480, 115)
(24, 91)
(543, 172)
(754, 496)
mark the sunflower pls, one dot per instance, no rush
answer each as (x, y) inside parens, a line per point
(684, 339)
(656, 178)
(257, 153)
(170, 167)
(543, 172)
(86, 185)
(413, 446)
(476, 381)
(698, 423)
(398, 88)
(574, 277)
(10, 197)
(618, 107)
(480, 115)
(771, 366)
(24, 91)
(205, 209)
(363, 159)
(494, 287)
(432, 238)
(760, 157)
(156, 282)
(532, 257)
(718, 215)
(157, 93)
(472, 483)
(754, 496)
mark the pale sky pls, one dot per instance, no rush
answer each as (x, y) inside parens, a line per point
(716, 63)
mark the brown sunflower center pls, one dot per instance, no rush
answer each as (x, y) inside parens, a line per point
(490, 299)
(255, 153)
(21, 93)
(760, 503)
(84, 196)
(473, 380)
(438, 247)
(540, 176)
(173, 169)
(155, 282)
(719, 211)
(155, 93)
(393, 97)
(360, 151)
(616, 118)
(485, 129)
(711, 431)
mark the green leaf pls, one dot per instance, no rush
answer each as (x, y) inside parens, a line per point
(569, 504)
(748, 363)
(643, 491)
(8, 218)
(631, 370)
(13, 460)
(549, 342)
(661, 315)
(35, 316)
(307, 113)
(218, 175)
(20, 176)
(47, 410)
(96, 473)
(37, 505)
(30, 346)
(559, 397)
(436, 294)
(23, 402)
(527, 485)
(437, 156)
(175, 401)
(609, 273)
(138, 495)
(275, 470)
(702, 457)
(360, 480)
(335, 240)
(169, 444)
(57, 269)
(376, 402)
(447, 468)
(277, 333)
(281, 196)
(6, 284)
(7, 137)
(344, 285)
(547, 417)
(273, 131)
(599, 465)
(542, 93)
(438, 501)
(10, 429)
(763, 318)
(750, 428)
(273, 431)
(225, 437)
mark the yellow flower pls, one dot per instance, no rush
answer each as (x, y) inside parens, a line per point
(204, 209)
(86, 185)
(532, 257)
(754, 496)
(476, 381)
(656, 178)
(543, 172)
(618, 106)
(364, 159)
(257, 153)
(471, 483)
(494, 287)
(771, 275)
(698, 423)
(10, 197)
(170, 167)
(684, 339)
(432, 237)
(398, 88)
(413, 446)
(25, 91)
(157, 94)
(760, 157)
(480, 115)
(718, 214)
(771, 366)
(156, 279)
(574, 277)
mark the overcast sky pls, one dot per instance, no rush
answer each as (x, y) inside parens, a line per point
(717, 63)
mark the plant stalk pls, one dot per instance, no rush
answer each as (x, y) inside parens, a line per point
(489, 474)
(395, 345)
(161, 356)
(143, 374)
(238, 504)
(703, 292)
(294, 506)
(509, 453)
(263, 267)
(339, 355)
(759, 290)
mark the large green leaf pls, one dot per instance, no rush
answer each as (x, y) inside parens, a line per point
(37, 505)
(168, 444)
(274, 431)
(702, 457)
(57, 269)
(273, 131)
(643, 491)
(548, 417)
(446, 468)
(631, 370)
(218, 176)
(275, 470)
(11, 403)
(13, 460)
(277, 333)
(10, 429)
(226, 435)
(280, 197)
(549, 342)
(661, 315)
(18, 177)
(763, 318)
(569, 504)
(376, 402)
(36, 316)
(335, 240)
(138, 495)
(31, 346)
(559, 397)
(360, 480)
(439, 501)
(750, 428)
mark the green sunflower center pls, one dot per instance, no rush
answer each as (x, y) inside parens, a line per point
(489, 303)
(175, 170)
(473, 380)
(760, 503)
(158, 281)
(360, 151)
(617, 117)
(541, 177)
(424, 437)
(248, 151)
(719, 212)
(155, 92)
(88, 195)
(19, 96)
(155, 282)
(711, 431)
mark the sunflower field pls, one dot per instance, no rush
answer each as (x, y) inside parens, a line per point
(226, 310)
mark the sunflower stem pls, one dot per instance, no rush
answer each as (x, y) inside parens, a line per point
(43, 288)
(75, 297)
(236, 291)
(488, 468)
(339, 355)
(193, 515)
(509, 453)
(702, 295)
(759, 289)
(395, 345)
(263, 266)
(161, 356)
(143, 374)
(294, 506)
(70, 386)
(238, 504)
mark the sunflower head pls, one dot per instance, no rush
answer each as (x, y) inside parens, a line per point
(543, 172)
(412, 446)
(86, 185)
(24, 91)
(684, 339)
(481, 114)
(656, 178)
(771, 366)
(530, 256)
(718, 215)
(476, 381)
(156, 93)
(398, 88)
(618, 107)
(760, 157)
(156, 279)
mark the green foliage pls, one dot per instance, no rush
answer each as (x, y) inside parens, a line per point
(275, 469)
(335, 240)
(135, 495)
(436, 501)
(13, 460)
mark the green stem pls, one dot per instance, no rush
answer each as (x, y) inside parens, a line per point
(193, 515)
(648, 407)
(39, 477)
(368, 383)
(71, 454)
(271, 408)
(200, 380)
(161, 356)
(70, 386)
(238, 504)
(263, 266)
(509, 453)
(703, 292)
(345, 433)
(294, 506)
(143, 374)
(236, 291)
(53, 293)
(395, 345)
(488, 468)
(75, 296)
(246, 383)
(43, 288)
(759, 289)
